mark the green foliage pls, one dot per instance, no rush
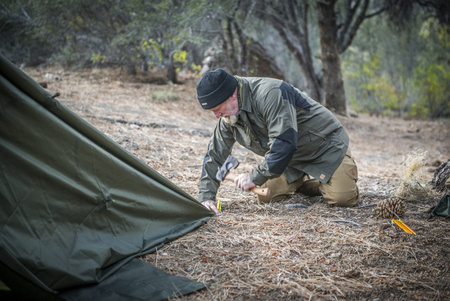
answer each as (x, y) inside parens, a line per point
(69, 58)
(418, 111)
(180, 56)
(401, 74)
(151, 48)
(18, 37)
(433, 84)
(385, 71)
(196, 68)
(163, 28)
(130, 33)
(376, 93)
(97, 58)
(179, 59)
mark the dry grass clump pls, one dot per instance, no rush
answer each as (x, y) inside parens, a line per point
(413, 185)
(164, 95)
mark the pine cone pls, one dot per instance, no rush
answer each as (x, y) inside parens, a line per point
(390, 208)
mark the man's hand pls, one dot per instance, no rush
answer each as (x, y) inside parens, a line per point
(243, 182)
(211, 206)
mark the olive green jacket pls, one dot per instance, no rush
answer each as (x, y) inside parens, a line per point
(295, 135)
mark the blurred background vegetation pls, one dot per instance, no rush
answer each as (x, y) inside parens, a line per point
(386, 57)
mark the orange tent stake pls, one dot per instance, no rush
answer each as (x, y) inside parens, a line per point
(403, 226)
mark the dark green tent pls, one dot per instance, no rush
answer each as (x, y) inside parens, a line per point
(76, 209)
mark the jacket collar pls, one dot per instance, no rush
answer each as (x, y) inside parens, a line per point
(244, 102)
(243, 95)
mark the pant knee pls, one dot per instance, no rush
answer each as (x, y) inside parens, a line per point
(341, 199)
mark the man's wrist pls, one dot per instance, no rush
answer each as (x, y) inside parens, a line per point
(208, 201)
(257, 178)
(206, 197)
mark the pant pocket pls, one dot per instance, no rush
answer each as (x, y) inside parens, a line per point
(350, 167)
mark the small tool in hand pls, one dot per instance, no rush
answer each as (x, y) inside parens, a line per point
(224, 174)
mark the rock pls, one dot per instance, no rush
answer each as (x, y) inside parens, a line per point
(336, 255)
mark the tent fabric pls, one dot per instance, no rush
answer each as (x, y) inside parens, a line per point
(75, 207)
(148, 284)
(443, 207)
(20, 288)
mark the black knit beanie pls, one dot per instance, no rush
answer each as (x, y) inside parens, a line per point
(215, 87)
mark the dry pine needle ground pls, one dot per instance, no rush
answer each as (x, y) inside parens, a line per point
(252, 252)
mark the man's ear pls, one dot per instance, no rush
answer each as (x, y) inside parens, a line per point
(234, 95)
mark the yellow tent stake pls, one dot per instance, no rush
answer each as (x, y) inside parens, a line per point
(403, 226)
(219, 205)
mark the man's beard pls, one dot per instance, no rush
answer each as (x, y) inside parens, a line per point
(232, 119)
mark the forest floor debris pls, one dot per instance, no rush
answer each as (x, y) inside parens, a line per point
(276, 252)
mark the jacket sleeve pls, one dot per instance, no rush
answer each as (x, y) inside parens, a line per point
(280, 117)
(219, 148)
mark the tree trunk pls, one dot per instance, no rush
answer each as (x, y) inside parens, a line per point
(171, 69)
(333, 84)
(244, 49)
(312, 80)
(441, 176)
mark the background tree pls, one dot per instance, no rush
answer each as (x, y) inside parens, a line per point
(404, 73)
(290, 20)
(164, 30)
(396, 65)
(230, 45)
(338, 27)
(17, 37)
(128, 33)
(338, 21)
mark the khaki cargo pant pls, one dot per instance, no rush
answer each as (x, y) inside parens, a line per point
(341, 189)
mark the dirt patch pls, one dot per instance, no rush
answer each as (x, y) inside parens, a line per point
(252, 252)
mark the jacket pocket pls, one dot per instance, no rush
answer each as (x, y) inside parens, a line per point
(313, 135)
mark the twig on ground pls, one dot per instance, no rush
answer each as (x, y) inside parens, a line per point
(297, 205)
(345, 221)
(368, 205)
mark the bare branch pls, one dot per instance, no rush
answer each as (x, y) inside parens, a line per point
(350, 8)
(376, 13)
(346, 38)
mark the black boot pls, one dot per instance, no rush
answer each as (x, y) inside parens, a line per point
(310, 188)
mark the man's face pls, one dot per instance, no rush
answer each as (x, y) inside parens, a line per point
(228, 109)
